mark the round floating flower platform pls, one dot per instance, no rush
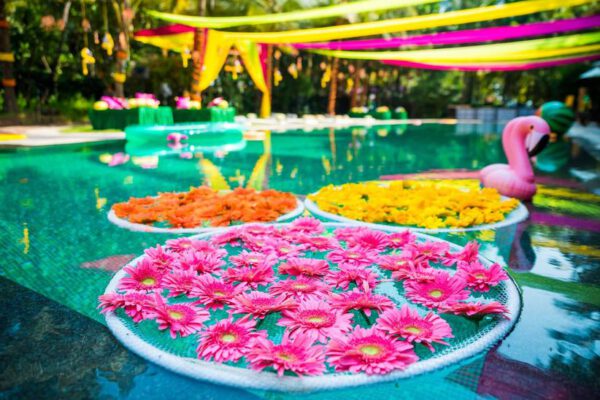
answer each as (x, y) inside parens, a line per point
(307, 306)
(180, 213)
(421, 206)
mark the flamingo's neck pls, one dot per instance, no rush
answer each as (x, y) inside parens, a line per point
(513, 141)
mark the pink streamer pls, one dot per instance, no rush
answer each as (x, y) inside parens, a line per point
(165, 30)
(494, 67)
(464, 36)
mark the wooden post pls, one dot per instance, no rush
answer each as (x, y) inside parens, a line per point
(333, 86)
(199, 44)
(8, 79)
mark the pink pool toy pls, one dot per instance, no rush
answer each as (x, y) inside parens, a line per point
(522, 138)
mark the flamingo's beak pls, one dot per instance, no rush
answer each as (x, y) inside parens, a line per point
(535, 142)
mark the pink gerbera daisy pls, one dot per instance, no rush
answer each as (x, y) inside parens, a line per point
(346, 234)
(213, 293)
(307, 225)
(259, 304)
(281, 249)
(353, 256)
(370, 351)
(298, 355)
(443, 290)
(369, 240)
(250, 276)
(143, 277)
(480, 278)
(182, 319)
(258, 230)
(199, 261)
(136, 305)
(318, 243)
(401, 239)
(304, 266)
(254, 243)
(300, 288)
(180, 245)
(415, 272)
(227, 340)
(347, 274)
(408, 324)
(231, 236)
(475, 310)
(428, 251)
(469, 254)
(159, 257)
(252, 259)
(362, 301)
(315, 319)
(180, 281)
(393, 262)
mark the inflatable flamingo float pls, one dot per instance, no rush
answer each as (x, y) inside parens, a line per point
(522, 138)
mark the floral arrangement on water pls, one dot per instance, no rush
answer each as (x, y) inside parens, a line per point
(301, 299)
(203, 206)
(424, 204)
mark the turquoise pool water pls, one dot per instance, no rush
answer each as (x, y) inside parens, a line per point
(57, 242)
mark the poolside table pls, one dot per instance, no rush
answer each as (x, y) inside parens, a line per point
(120, 119)
(210, 114)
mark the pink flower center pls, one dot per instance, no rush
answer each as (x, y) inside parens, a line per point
(228, 337)
(176, 315)
(370, 350)
(436, 293)
(148, 281)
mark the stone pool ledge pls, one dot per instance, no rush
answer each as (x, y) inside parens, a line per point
(51, 135)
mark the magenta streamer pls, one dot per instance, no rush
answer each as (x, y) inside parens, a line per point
(494, 67)
(165, 30)
(464, 36)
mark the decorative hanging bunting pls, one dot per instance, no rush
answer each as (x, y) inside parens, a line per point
(185, 57)
(293, 71)
(108, 43)
(235, 69)
(277, 77)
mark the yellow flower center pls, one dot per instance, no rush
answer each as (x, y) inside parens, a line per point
(370, 350)
(148, 281)
(228, 338)
(300, 286)
(436, 294)
(479, 276)
(175, 315)
(286, 357)
(315, 320)
(413, 329)
(217, 293)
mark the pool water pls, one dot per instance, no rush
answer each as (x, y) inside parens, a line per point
(57, 244)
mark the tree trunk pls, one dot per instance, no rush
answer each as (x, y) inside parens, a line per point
(333, 86)
(356, 85)
(8, 79)
(199, 43)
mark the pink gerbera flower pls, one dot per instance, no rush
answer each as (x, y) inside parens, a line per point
(401, 239)
(227, 340)
(469, 254)
(304, 266)
(298, 355)
(443, 290)
(353, 256)
(199, 261)
(480, 278)
(370, 351)
(428, 251)
(308, 225)
(346, 234)
(408, 324)
(259, 304)
(362, 301)
(281, 249)
(250, 276)
(252, 259)
(347, 274)
(182, 319)
(258, 230)
(254, 243)
(369, 240)
(136, 305)
(318, 243)
(475, 310)
(415, 272)
(143, 277)
(159, 257)
(180, 245)
(315, 319)
(231, 236)
(393, 262)
(180, 282)
(300, 288)
(213, 293)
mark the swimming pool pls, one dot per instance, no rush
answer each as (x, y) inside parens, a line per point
(57, 243)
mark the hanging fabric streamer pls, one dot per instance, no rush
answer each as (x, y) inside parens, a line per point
(185, 57)
(356, 7)
(87, 58)
(108, 43)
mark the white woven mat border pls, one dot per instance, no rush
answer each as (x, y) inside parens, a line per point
(249, 379)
